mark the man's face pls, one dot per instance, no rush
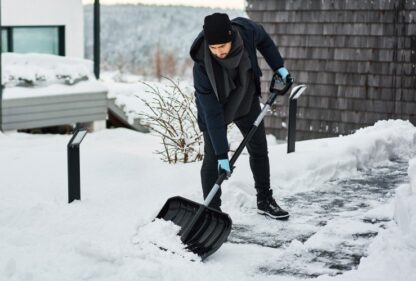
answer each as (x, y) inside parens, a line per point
(220, 50)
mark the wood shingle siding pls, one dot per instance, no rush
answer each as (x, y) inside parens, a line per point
(357, 57)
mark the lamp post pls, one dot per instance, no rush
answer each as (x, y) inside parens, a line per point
(74, 175)
(1, 73)
(97, 38)
(293, 105)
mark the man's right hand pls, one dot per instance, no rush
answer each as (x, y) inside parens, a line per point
(224, 166)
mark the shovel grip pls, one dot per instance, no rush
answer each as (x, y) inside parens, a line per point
(278, 91)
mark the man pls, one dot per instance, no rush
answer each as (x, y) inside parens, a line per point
(227, 89)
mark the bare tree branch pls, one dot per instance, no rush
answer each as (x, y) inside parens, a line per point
(172, 116)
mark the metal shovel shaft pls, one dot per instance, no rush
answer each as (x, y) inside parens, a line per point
(275, 92)
(187, 230)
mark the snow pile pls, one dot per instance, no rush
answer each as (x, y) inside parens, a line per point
(28, 75)
(392, 256)
(160, 235)
(131, 90)
(127, 97)
(412, 174)
(44, 69)
(405, 211)
(319, 161)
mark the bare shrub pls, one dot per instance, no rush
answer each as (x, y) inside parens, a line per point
(172, 116)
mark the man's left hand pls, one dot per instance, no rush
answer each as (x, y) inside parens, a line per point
(283, 73)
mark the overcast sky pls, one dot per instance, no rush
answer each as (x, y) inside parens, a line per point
(235, 4)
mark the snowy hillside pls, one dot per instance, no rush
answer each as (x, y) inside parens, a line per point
(352, 201)
(131, 34)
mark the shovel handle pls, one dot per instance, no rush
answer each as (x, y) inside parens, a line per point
(274, 93)
(186, 233)
(279, 91)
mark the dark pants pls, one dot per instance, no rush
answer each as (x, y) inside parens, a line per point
(257, 149)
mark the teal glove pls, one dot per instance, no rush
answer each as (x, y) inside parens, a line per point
(224, 165)
(283, 73)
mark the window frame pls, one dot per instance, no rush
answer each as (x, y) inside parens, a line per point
(61, 36)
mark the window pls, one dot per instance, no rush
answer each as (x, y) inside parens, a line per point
(34, 39)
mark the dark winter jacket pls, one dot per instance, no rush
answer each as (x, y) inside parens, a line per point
(210, 111)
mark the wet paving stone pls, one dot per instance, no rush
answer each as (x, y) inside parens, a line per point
(330, 224)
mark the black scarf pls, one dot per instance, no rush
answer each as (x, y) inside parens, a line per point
(231, 78)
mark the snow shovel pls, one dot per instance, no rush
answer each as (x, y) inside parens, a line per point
(203, 229)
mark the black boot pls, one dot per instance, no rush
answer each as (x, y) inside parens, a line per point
(267, 206)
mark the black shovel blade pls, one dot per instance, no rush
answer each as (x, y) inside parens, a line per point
(207, 234)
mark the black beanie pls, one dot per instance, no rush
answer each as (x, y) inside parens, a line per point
(217, 29)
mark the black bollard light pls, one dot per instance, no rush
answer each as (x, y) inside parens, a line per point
(293, 107)
(74, 176)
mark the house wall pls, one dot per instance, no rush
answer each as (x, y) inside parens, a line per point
(357, 57)
(49, 12)
(53, 110)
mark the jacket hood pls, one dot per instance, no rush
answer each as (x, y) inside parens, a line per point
(195, 47)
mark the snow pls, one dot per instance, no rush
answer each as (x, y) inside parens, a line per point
(412, 175)
(47, 75)
(129, 91)
(341, 157)
(131, 35)
(54, 89)
(110, 234)
(392, 255)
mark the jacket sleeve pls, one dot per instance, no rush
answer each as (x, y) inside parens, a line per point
(211, 112)
(266, 46)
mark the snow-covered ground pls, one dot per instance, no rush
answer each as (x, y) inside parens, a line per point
(352, 201)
